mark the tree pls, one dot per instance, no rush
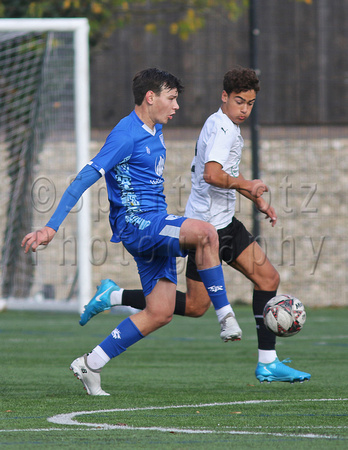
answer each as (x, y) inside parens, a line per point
(187, 16)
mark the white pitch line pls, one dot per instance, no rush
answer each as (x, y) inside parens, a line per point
(98, 427)
(68, 419)
(16, 430)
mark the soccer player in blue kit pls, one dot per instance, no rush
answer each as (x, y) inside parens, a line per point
(215, 178)
(132, 161)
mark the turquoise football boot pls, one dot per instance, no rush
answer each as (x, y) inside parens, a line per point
(100, 302)
(278, 371)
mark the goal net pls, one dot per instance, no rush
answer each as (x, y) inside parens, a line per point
(44, 139)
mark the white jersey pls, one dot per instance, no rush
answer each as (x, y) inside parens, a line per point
(220, 141)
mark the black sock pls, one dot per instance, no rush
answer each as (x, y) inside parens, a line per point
(180, 303)
(266, 339)
(135, 298)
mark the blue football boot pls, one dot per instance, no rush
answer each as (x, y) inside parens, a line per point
(277, 371)
(100, 302)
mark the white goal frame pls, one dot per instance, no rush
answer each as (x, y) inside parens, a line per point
(80, 28)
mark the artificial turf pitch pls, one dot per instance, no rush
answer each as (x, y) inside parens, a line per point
(180, 388)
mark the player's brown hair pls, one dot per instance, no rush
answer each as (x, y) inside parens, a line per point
(153, 80)
(241, 79)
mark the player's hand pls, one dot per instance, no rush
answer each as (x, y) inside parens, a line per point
(256, 188)
(36, 238)
(268, 210)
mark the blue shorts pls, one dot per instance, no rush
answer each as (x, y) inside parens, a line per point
(155, 247)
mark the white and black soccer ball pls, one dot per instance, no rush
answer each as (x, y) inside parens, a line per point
(284, 315)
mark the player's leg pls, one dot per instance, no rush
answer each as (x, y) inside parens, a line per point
(105, 298)
(204, 238)
(159, 308)
(239, 249)
(193, 303)
(158, 312)
(110, 294)
(155, 255)
(197, 298)
(255, 265)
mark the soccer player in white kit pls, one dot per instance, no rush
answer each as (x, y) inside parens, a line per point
(215, 179)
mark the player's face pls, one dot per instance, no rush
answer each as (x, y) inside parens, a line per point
(165, 105)
(238, 106)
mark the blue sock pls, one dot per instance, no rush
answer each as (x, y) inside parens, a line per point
(213, 280)
(122, 337)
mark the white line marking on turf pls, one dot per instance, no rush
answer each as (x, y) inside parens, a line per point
(69, 419)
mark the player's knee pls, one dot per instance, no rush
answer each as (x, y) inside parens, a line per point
(209, 236)
(158, 316)
(163, 319)
(271, 282)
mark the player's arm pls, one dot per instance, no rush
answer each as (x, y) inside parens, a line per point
(261, 205)
(216, 176)
(84, 179)
(251, 189)
(266, 209)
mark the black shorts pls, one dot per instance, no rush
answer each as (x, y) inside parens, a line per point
(234, 239)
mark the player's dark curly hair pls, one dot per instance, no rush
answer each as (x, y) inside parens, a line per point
(241, 79)
(153, 80)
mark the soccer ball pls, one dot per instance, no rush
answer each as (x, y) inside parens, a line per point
(284, 315)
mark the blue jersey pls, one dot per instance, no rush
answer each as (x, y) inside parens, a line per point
(132, 160)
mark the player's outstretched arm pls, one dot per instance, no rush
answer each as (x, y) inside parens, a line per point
(215, 175)
(36, 238)
(84, 179)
